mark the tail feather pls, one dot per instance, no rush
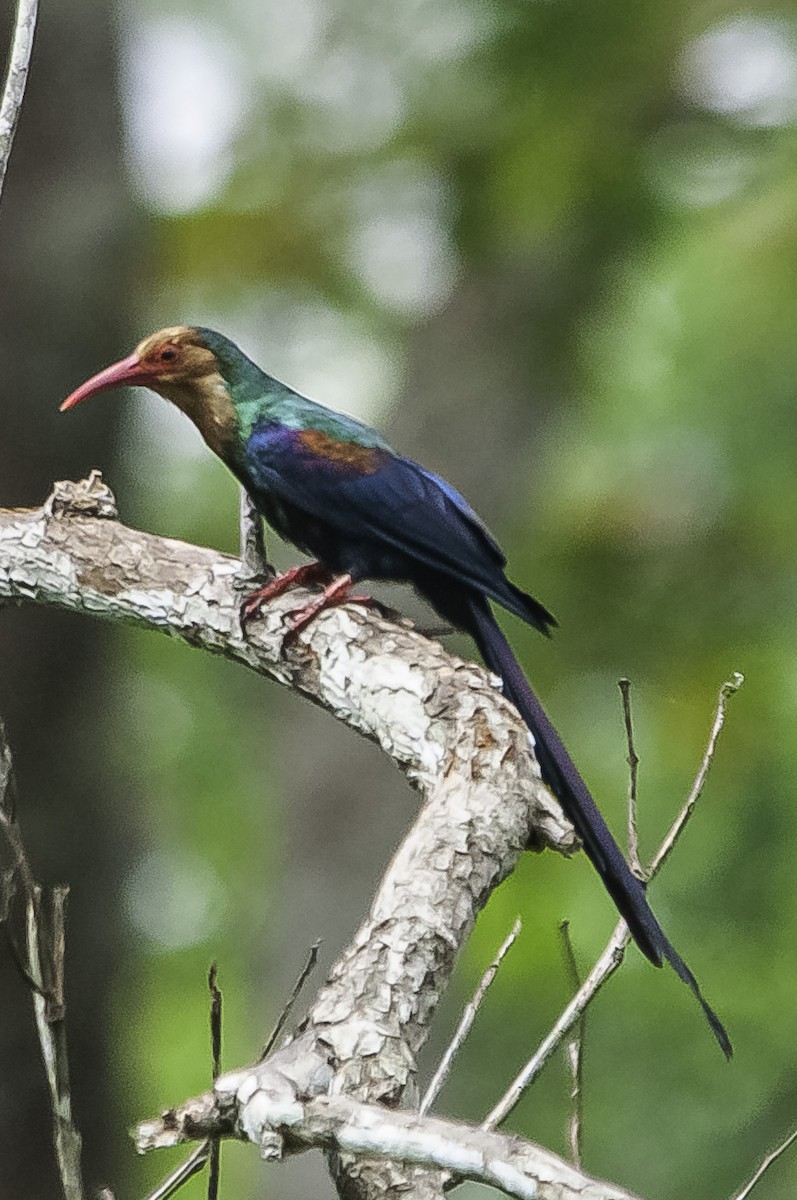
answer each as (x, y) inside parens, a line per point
(560, 774)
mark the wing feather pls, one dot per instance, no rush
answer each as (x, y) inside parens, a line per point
(380, 495)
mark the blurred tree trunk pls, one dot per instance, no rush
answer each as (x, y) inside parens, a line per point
(65, 226)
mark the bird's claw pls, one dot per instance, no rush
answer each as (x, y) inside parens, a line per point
(249, 607)
(336, 591)
(332, 597)
(306, 573)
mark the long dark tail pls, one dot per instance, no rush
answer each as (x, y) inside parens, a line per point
(561, 776)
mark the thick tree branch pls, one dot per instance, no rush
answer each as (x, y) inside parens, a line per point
(286, 1124)
(432, 713)
(442, 721)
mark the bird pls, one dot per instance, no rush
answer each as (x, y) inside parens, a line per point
(336, 489)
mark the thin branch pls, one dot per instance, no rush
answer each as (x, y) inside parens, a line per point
(254, 559)
(38, 982)
(614, 952)
(214, 1162)
(192, 1166)
(772, 1157)
(8, 821)
(604, 968)
(16, 79)
(215, 1022)
(44, 973)
(287, 1008)
(465, 1024)
(208, 1152)
(52, 1038)
(17, 959)
(729, 688)
(575, 1055)
(6, 775)
(633, 769)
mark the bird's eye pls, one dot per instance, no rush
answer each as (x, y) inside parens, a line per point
(168, 354)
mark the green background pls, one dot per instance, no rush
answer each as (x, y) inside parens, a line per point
(550, 248)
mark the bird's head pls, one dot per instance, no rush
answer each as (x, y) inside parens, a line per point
(198, 370)
(174, 358)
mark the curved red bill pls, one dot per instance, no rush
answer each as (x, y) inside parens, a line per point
(127, 371)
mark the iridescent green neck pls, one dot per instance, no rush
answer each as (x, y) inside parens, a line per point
(257, 398)
(254, 394)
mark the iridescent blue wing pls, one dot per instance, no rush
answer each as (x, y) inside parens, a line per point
(368, 491)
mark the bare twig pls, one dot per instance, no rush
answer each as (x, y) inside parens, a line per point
(468, 1017)
(16, 79)
(43, 971)
(207, 1153)
(614, 951)
(214, 1161)
(38, 982)
(192, 1166)
(8, 821)
(6, 775)
(215, 1021)
(633, 768)
(575, 1055)
(729, 688)
(287, 1008)
(254, 559)
(772, 1157)
(604, 968)
(52, 1038)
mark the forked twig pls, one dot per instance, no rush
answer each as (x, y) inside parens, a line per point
(468, 1017)
(16, 79)
(772, 1157)
(614, 952)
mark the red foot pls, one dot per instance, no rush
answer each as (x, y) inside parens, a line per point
(337, 592)
(307, 573)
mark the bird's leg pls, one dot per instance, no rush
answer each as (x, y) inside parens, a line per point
(336, 592)
(307, 573)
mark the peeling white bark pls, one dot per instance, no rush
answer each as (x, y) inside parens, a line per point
(442, 721)
(282, 1124)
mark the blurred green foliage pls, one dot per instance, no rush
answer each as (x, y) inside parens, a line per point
(383, 164)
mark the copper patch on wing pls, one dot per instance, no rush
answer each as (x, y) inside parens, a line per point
(364, 460)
